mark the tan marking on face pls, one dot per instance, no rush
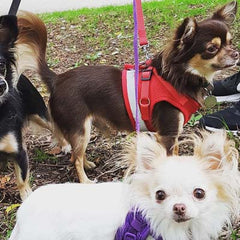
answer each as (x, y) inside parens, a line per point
(229, 38)
(202, 67)
(217, 41)
(9, 143)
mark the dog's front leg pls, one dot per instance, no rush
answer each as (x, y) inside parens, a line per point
(169, 142)
(22, 174)
(168, 122)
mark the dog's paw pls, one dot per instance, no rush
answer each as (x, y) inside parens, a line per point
(54, 150)
(66, 148)
(90, 182)
(89, 164)
(25, 192)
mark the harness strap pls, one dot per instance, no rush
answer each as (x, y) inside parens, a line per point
(152, 89)
(144, 100)
(14, 7)
(134, 228)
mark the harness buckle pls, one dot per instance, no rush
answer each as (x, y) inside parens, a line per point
(146, 74)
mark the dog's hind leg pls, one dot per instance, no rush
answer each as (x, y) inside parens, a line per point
(44, 123)
(59, 140)
(22, 174)
(79, 144)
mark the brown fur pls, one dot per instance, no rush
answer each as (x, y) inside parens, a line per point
(89, 93)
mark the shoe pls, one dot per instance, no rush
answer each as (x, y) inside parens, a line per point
(228, 119)
(227, 90)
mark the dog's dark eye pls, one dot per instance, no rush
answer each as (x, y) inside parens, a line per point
(199, 193)
(2, 67)
(160, 195)
(212, 49)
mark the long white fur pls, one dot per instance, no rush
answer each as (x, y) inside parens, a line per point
(95, 211)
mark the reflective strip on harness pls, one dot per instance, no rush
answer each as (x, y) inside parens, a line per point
(132, 98)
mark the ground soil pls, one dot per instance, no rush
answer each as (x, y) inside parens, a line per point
(103, 150)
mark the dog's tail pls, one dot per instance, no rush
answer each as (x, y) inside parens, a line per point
(31, 47)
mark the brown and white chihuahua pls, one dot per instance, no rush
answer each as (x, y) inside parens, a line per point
(94, 93)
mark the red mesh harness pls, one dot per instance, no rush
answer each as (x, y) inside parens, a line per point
(153, 89)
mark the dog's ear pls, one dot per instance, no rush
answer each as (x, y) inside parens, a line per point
(184, 38)
(8, 29)
(148, 152)
(217, 149)
(227, 13)
(186, 31)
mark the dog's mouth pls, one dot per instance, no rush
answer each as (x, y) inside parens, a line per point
(220, 67)
(180, 219)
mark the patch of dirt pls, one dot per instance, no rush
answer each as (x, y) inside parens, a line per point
(66, 47)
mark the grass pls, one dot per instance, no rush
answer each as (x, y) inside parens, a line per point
(98, 26)
(8, 220)
(41, 156)
(235, 235)
(163, 10)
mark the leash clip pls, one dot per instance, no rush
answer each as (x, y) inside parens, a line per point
(145, 49)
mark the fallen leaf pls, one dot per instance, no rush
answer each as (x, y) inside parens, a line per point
(12, 207)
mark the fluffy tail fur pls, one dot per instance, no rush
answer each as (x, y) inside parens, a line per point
(31, 47)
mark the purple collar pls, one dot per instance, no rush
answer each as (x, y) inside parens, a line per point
(134, 228)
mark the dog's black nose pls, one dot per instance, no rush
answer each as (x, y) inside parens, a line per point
(235, 55)
(179, 209)
(3, 87)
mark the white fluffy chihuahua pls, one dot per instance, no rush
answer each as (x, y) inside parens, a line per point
(167, 197)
